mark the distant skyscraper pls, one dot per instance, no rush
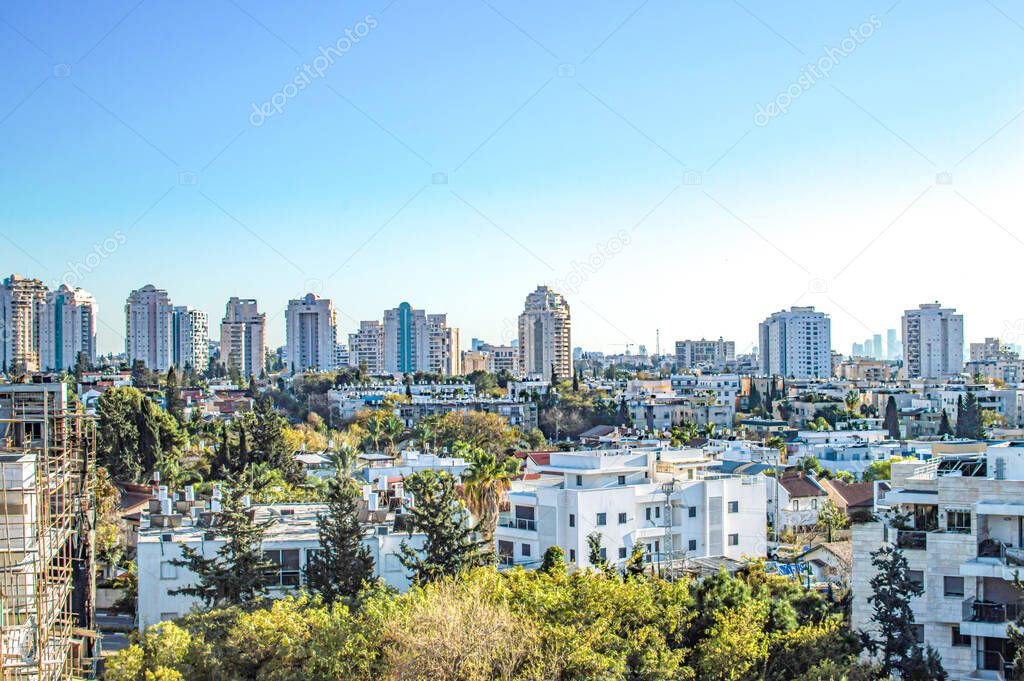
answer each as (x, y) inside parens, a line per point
(190, 339)
(67, 328)
(545, 330)
(796, 343)
(877, 346)
(310, 331)
(366, 347)
(892, 349)
(933, 341)
(417, 341)
(242, 337)
(858, 350)
(19, 326)
(148, 328)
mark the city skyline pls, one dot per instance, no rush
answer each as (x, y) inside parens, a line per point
(548, 145)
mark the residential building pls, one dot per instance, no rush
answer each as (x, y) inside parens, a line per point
(796, 344)
(19, 324)
(474, 360)
(366, 347)
(545, 330)
(310, 334)
(662, 499)
(705, 354)
(243, 337)
(67, 328)
(893, 348)
(149, 328)
(963, 541)
(933, 342)
(417, 341)
(799, 498)
(500, 358)
(190, 339)
(444, 355)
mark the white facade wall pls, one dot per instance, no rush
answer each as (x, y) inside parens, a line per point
(933, 342)
(148, 328)
(796, 343)
(310, 331)
(67, 328)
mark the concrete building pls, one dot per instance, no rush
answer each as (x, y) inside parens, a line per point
(705, 354)
(366, 347)
(67, 328)
(417, 341)
(662, 499)
(190, 339)
(545, 330)
(149, 327)
(243, 337)
(19, 323)
(933, 342)
(500, 358)
(963, 544)
(796, 344)
(310, 334)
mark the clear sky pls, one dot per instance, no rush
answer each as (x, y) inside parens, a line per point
(688, 166)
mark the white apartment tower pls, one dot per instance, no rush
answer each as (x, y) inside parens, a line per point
(796, 344)
(366, 347)
(242, 337)
(714, 354)
(148, 328)
(19, 325)
(67, 328)
(416, 341)
(545, 330)
(190, 339)
(310, 331)
(933, 342)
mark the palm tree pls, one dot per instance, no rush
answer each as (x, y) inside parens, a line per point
(391, 428)
(485, 484)
(852, 399)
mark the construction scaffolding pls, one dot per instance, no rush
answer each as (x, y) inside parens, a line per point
(47, 583)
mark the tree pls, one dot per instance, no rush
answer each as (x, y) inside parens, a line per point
(968, 420)
(891, 422)
(736, 645)
(172, 397)
(554, 559)
(450, 547)
(343, 564)
(945, 429)
(594, 549)
(491, 432)
(880, 470)
(268, 444)
(830, 519)
(81, 366)
(576, 382)
(485, 484)
(852, 400)
(237, 574)
(133, 434)
(635, 564)
(754, 399)
(894, 639)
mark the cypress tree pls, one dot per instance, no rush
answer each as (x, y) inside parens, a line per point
(450, 546)
(268, 442)
(961, 417)
(969, 424)
(753, 399)
(944, 426)
(892, 421)
(343, 563)
(172, 397)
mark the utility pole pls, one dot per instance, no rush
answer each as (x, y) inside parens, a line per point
(668, 488)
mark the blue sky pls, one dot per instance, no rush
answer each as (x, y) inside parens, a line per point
(610, 148)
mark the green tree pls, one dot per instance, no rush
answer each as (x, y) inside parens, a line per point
(594, 551)
(339, 569)
(831, 519)
(754, 399)
(636, 564)
(554, 559)
(485, 485)
(852, 401)
(968, 420)
(450, 547)
(894, 639)
(268, 444)
(133, 433)
(237, 573)
(945, 429)
(891, 422)
(172, 397)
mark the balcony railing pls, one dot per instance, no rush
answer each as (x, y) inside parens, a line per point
(912, 539)
(1008, 555)
(991, 612)
(518, 524)
(993, 661)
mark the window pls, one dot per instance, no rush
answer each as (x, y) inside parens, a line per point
(622, 552)
(814, 503)
(622, 479)
(657, 511)
(168, 570)
(960, 640)
(953, 587)
(958, 521)
(916, 576)
(526, 550)
(692, 546)
(622, 519)
(734, 507)
(572, 520)
(693, 511)
(647, 512)
(286, 567)
(602, 519)
(734, 540)
(796, 504)
(579, 481)
(572, 555)
(604, 553)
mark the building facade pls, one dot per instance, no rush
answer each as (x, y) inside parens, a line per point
(417, 341)
(19, 323)
(710, 354)
(243, 337)
(67, 328)
(149, 319)
(366, 347)
(933, 342)
(190, 339)
(545, 335)
(310, 332)
(796, 344)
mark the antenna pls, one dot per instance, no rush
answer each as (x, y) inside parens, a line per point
(657, 342)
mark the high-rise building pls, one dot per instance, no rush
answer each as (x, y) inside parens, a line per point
(892, 348)
(857, 350)
(67, 328)
(933, 342)
(877, 346)
(366, 347)
(444, 354)
(19, 324)
(712, 354)
(545, 330)
(148, 328)
(417, 341)
(242, 337)
(310, 332)
(190, 339)
(796, 343)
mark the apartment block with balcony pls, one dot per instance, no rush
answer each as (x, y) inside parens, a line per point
(962, 533)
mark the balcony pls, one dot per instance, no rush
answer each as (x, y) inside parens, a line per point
(991, 666)
(912, 539)
(988, 618)
(995, 559)
(529, 525)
